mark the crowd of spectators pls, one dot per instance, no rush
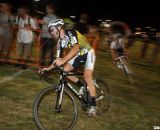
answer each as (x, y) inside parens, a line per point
(26, 26)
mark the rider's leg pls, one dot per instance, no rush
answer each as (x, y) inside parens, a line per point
(88, 72)
(68, 67)
(88, 77)
(73, 63)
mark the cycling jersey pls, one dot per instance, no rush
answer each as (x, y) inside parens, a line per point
(119, 46)
(73, 37)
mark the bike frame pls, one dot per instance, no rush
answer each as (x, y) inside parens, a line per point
(64, 83)
(120, 59)
(124, 66)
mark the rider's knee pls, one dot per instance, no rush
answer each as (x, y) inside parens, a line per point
(68, 67)
(87, 76)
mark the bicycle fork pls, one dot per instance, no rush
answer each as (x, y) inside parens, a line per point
(58, 105)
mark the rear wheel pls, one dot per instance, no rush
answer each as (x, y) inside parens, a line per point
(45, 116)
(103, 100)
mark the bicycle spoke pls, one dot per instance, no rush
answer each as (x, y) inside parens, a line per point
(48, 119)
(103, 96)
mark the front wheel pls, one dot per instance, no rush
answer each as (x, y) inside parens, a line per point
(128, 72)
(103, 99)
(45, 115)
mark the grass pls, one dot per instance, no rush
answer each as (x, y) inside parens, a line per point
(134, 106)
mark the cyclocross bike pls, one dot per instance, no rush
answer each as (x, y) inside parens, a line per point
(55, 107)
(122, 63)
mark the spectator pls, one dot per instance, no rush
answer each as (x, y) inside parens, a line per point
(82, 24)
(47, 42)
(93, 36)
(69, 23)
(25, 35)
(6, 19)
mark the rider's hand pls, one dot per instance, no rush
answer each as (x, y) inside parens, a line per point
(42, 71)
(113, 61)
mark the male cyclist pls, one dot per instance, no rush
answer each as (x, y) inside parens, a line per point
(80, 53)
(117, 46)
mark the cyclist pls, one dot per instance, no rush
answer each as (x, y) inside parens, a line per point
(80, 53)
(117, 46)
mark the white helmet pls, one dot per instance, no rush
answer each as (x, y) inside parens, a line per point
(56, 22)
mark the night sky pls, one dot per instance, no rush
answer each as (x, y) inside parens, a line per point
(134, 12)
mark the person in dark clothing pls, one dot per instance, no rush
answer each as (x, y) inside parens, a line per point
(82, 24)
(47, 42)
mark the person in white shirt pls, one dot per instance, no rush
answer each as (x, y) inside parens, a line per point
(117, 46)
(26, 25)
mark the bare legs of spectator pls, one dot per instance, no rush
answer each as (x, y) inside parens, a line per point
(24, 53)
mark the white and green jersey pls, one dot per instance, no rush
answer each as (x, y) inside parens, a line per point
(74, 37)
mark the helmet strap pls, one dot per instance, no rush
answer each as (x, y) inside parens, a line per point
(59, 32)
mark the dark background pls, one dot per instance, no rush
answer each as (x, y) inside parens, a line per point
(136, 13)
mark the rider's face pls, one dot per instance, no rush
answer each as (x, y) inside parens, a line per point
(54, 33)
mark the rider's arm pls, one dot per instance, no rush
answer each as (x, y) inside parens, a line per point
(58, 55)
(113, 53)
(73, 51)
(124, 45)
(48, 68)
(113, 50)
(74, 45)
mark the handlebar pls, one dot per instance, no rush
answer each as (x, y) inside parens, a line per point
(118, 58)
(58, 69)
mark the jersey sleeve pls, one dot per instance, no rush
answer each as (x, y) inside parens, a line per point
(72, 34)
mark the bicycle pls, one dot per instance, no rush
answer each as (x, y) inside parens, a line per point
(55, 107)
(122, 63)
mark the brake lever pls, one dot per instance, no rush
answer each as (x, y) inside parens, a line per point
(58, 68)
(41, 74)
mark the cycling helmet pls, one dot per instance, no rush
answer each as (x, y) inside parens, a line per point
(56, 23)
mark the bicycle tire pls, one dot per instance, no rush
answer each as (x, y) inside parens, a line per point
(103, 100)
(44, 116)
(124, 69)
(128, 73)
